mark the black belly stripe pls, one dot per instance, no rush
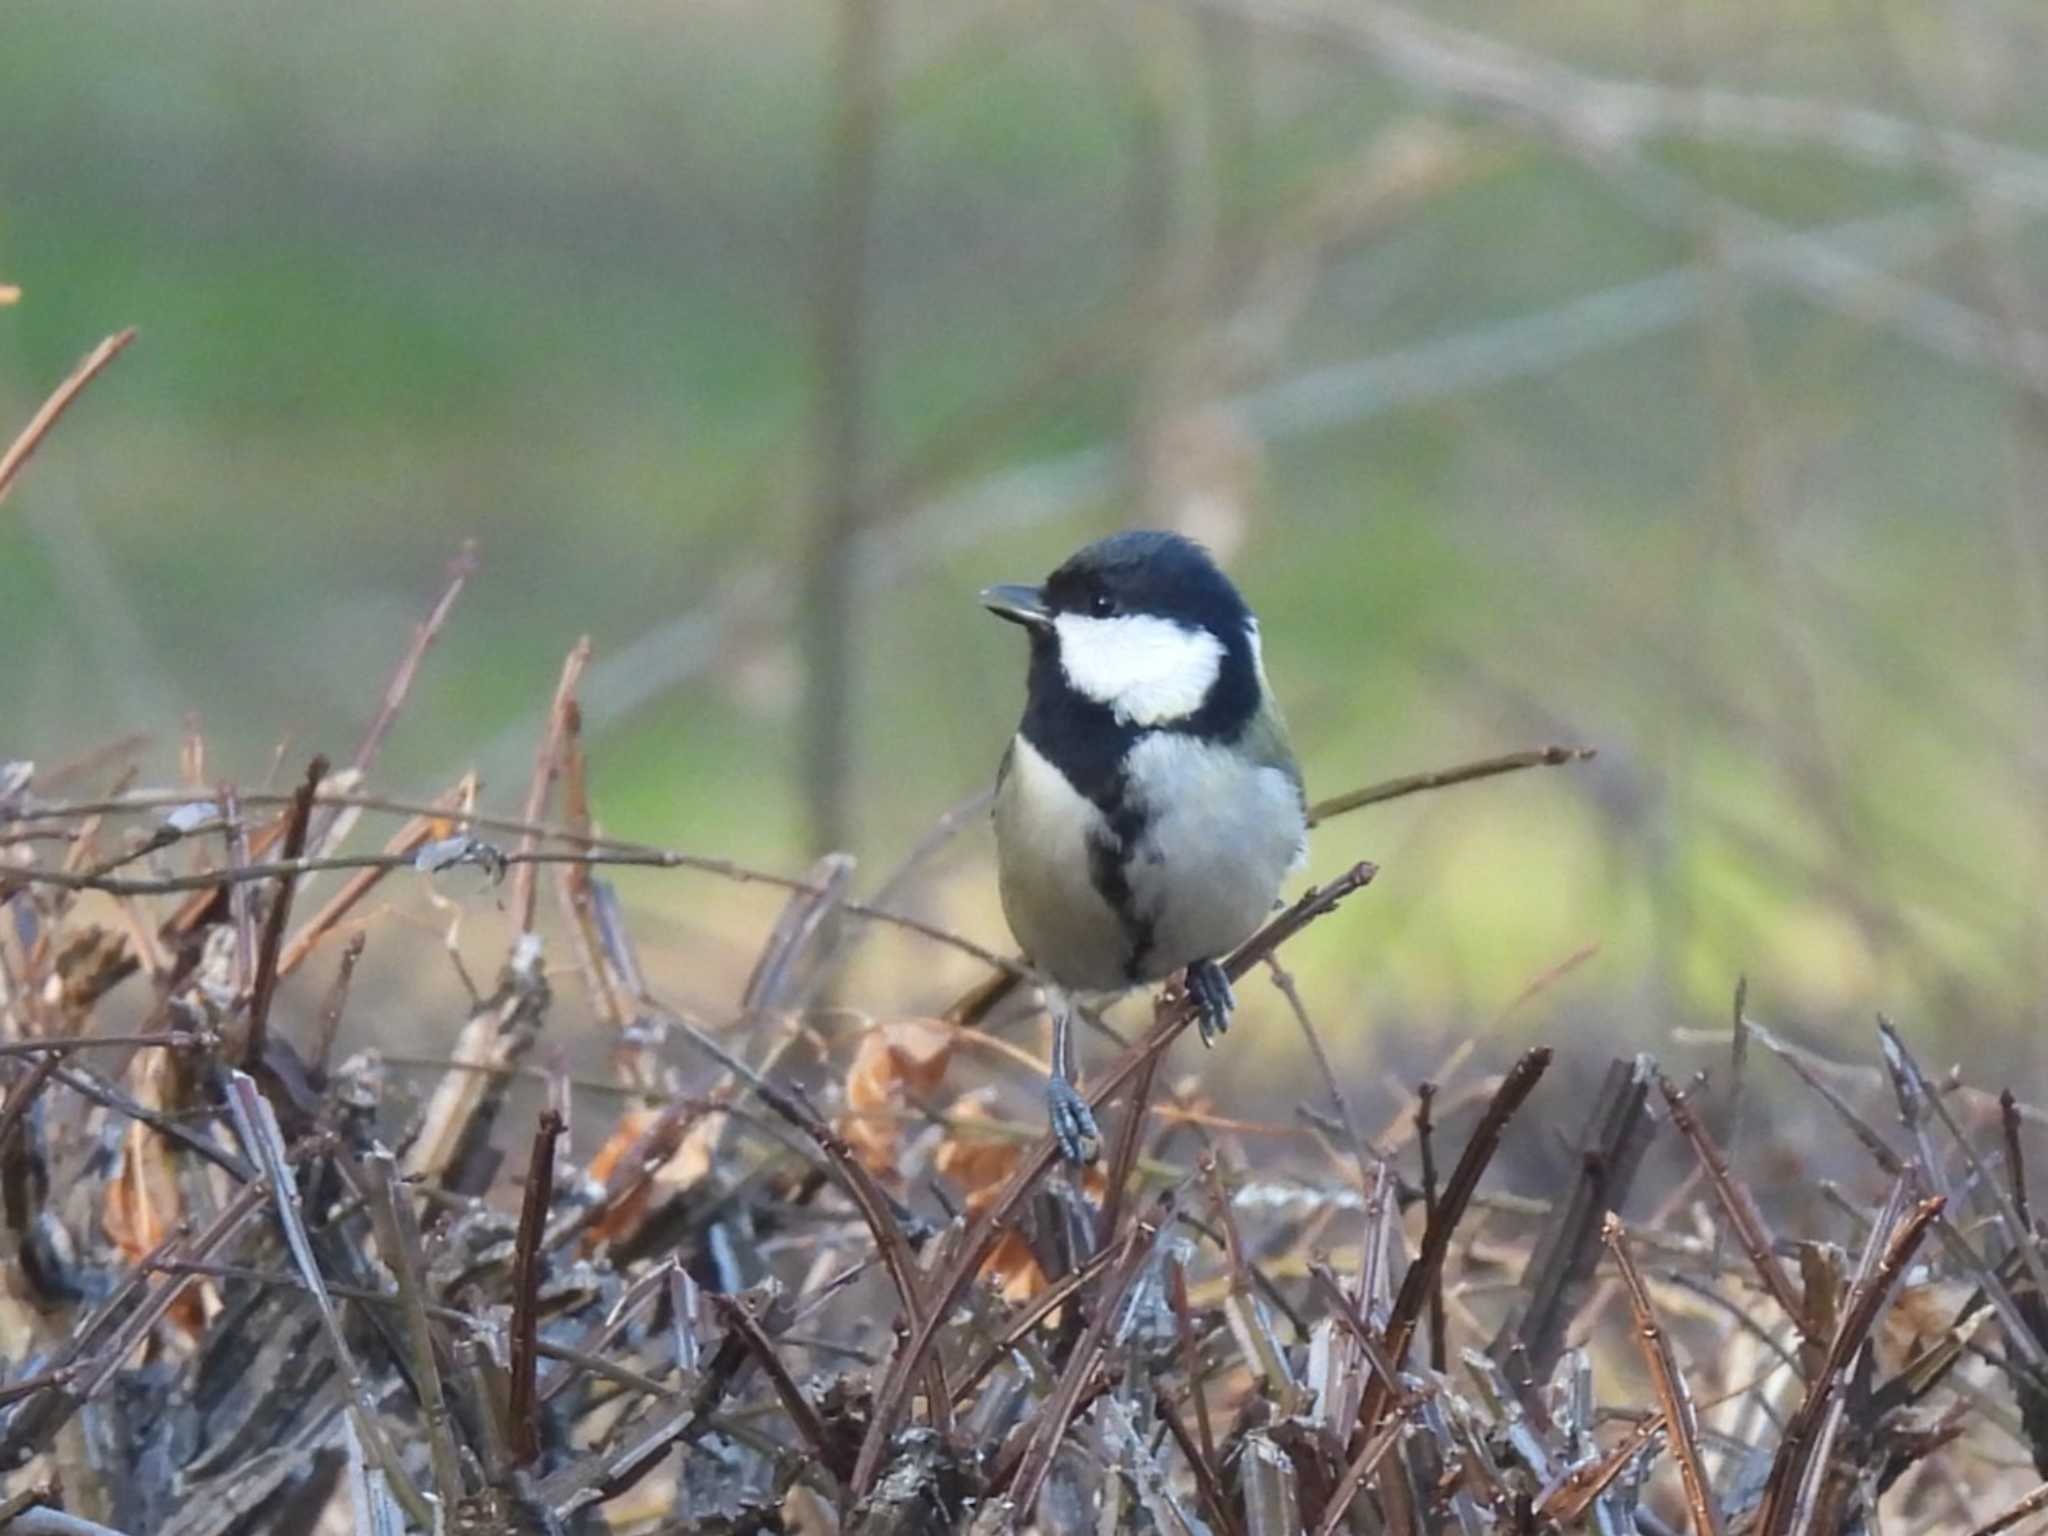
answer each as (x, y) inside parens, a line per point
(1109, 863)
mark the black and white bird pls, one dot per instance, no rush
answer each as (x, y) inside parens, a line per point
(1149, 808)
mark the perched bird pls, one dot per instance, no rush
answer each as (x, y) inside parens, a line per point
(1148, 808)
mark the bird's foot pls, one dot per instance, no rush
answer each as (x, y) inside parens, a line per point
(1073, 1122)
(1210, 989)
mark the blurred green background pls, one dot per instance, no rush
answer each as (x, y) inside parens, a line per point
(1669, 381)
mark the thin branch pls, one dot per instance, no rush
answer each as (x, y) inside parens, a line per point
(1444, 778)
(2014, 1513)
(59, 402)
(802, 1416)
(1425, 1095)
(265, 984)
(526, 1267)
(1515, 1088)
(602, 853)
(460, 570)
(1738, 1205)
(1672, 1393)
(547, 763)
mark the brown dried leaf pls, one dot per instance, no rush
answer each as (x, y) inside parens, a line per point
(895, 1062)
(142, 1205)
(682, 1142)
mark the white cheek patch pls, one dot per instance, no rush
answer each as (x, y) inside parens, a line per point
(1147, 669)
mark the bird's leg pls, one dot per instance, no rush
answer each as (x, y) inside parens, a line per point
(1210, 988)
(1073, 1122)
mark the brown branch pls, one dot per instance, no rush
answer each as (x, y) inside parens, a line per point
(1444, 778)
(547, 763)
(602, 852)
(1201, 1460)
(2015, 1161)
(399, 852)
(265, 985)
(1054, 1417)
(1569, 1500)
(526, 1265)
(1425, 1096)
(1123, 1156)
(1362, 1466)
(172, 1040)
(1324, 1279)
(1557, 1279)
(802, 1416)
(1739, 1206)
(336, 1004)
(39, 425)
(1190, 1360)
(1776, 1509)
(1037, 1309)
(1515, 1087)
(1672, 1394)
(460, 569)
(2013, 1513)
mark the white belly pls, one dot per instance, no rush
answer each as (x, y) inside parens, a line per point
(1043, 830)
(1221, 836)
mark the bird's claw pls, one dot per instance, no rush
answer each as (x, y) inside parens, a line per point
(1209, 988)
(1073, 1122)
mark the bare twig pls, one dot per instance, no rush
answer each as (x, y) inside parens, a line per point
(802, 1416)
(265, 983)
(1444, 778)
(547, 763)
(860, 1186)
(526, 1266)
(1520, 1081)
(1739, 1207)
(460, 569)
(1425, 1095)
(39, 425)
(1558, 1276)
(1053, 1419)
(2014, 1513)
(1892, 1243)
(1672, 1393)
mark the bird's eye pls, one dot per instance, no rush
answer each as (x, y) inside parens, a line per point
(1102, 605)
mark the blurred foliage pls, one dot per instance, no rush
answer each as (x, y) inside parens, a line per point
(544, 276)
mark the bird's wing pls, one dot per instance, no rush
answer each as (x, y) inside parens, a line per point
(1265, 743)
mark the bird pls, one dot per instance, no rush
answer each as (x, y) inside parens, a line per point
(1148, 810)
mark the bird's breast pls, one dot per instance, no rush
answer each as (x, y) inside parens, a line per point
(1222, 832)
(1050, 840)
(1184, 865)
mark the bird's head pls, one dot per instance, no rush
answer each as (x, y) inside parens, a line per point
(1141, 624)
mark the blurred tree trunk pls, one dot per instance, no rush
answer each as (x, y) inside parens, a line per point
(840, 506)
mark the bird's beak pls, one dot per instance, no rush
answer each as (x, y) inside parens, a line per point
(1019, 604)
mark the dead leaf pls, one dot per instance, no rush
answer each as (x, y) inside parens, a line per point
(896, 1063)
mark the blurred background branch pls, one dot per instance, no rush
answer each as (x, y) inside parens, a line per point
(1540, 377)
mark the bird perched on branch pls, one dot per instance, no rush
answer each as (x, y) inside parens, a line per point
(1149, 807)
